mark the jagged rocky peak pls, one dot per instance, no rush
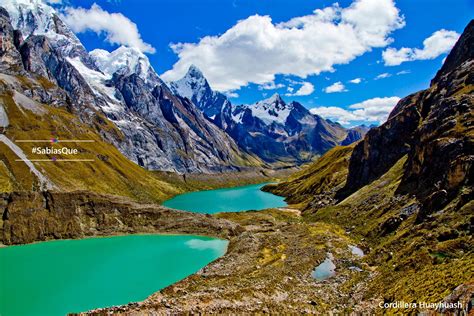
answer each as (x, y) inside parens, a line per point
(195, 72)
(195, 87)
(274, 101)
(30, 16)
(34, 17)
(126, 60)
(273, 109)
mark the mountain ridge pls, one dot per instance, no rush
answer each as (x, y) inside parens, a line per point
(406, 191)
(275, 131)
(181, 140)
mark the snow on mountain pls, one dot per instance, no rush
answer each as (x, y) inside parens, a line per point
(193, 84)
(271, 110)
(34, 17)
(127, 60)
(195, 87)
(271, 129)
(24, 12)
(154, 128)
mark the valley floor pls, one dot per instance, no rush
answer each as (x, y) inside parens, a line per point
(267, 269)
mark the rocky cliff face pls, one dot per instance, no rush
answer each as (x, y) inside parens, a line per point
(434, 128)
(195, 87)
(29, 217)
(159, 130)
(277, 131)
(407, 189)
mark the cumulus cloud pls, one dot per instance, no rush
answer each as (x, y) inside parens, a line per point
(118, 29)
(335, 87)
(306, 89)
(356, 80)
(383, 76)
(255, 49)
(438, 43)
(371, 110)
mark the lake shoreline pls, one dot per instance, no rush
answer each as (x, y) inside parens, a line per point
(255, 248)
(118, 269)
(276, 251)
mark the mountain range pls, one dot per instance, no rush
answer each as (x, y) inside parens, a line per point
(402, 192)
(183, 127)
(271, 129)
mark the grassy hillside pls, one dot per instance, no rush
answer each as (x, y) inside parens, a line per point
(413, 261)
(109, 172)
(324, 176)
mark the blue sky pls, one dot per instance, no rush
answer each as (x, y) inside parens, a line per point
(163, 22)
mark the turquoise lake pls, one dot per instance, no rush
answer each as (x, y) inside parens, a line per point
(57, 277)
(236, 199)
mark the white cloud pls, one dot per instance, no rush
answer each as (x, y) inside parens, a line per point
(335, 113)
(231, 94)
(54, 1)
(118, 29)
(356, 80)
(335, 87)
(438, 43)
(255, 49)
(383, 76)
(306, 89)
(270, 86)
(371, 110)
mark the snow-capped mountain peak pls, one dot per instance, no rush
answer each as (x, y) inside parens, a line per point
(270, 110)
(194, 72)
(35, 17)
(30, 16)
(195, 87)
(127, 60)
(192, 86)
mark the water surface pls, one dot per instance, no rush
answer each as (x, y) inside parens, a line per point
(325, 269)
(236, 199)
(57, 277)
(356, 251)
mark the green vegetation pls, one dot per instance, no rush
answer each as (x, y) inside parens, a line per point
(413, 261)
(109, 172)
(327, 174)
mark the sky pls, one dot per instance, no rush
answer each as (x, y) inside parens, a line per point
(349, 61)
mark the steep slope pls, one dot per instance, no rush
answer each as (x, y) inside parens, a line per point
(271, 129)
(408, 193)
(195, 87)
(105, 169)
(354, 134)
(159, 131)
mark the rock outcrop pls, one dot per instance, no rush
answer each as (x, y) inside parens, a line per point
(434, 128)
(407, 193)
(33, 216)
